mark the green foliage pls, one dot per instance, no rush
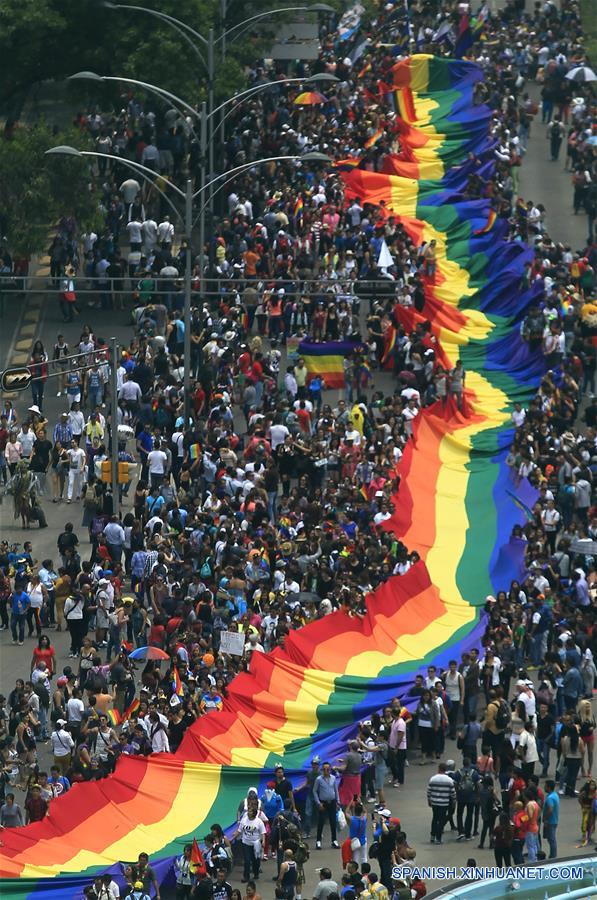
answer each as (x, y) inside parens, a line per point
(51, 39)
(589, 24)
(36, 190)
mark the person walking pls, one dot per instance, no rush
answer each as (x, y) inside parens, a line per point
(62, 746)
(489, 803)
(251, 829)
(73, 613)
(467, 781)
(572, 749)
(503, 835)
(533, 811)
(325, 794)
(76, 470)
(441, 793)
(20, 603)
(555, 135)
(551, 817)
(454, 683)
(527, 750)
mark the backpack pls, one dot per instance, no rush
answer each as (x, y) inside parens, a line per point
(96, 683)
(466, 785)
(502, 716)
(205, 570)
(301, 854)
(374, 850)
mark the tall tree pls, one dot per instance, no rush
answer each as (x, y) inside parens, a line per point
(36, 190)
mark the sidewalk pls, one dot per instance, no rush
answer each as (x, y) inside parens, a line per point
(546, 182)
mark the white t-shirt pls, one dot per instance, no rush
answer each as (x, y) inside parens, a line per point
(76, 459)
(528, 740)
(157, 461)
(150, 232)
(134, 230)
(251, 830)
(75, 709)
(278, 434)
(36, 595)
(62, 742)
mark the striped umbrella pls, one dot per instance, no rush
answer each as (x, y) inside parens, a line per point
(309, 98)
(581, 73)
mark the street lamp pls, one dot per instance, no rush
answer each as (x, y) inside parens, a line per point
(205, 118)
(190, 33)
(188, 196)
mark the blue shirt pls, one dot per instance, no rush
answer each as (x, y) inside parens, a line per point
(60, 780)
(20, 603)
(145, 440)
(551, 809)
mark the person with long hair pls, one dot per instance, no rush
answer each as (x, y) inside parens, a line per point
(572, 752)
(503, 835)
(587, 733)
(44, 652)
(586, 798)
(426, 715)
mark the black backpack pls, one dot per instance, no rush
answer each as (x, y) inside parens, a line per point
(502, 716)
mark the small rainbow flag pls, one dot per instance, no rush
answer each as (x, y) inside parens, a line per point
(327, 360)
(521, 505)
(298, 208)
(363, 491)
(194, 451)
(132, 709)
(371, 141)
(115, 717)
(177, 684)
(491, 220)
(389, 339)
(366, 68)
(346, 165)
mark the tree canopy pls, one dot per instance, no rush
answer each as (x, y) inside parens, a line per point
(52, 39)
(36, 190)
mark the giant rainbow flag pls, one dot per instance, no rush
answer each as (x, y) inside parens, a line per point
(453, 507)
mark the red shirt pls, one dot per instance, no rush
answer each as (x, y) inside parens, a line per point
(521, 824)
(156, 636)
(37, 808)
(304, 418)
(256, 372)
(47, 656)
(244, 363)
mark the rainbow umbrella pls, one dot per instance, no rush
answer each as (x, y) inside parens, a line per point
(309, 98)
(148, 653)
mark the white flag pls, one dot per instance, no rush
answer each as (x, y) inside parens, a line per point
(385, 259)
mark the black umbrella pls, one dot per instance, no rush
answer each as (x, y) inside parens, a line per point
(308, 597)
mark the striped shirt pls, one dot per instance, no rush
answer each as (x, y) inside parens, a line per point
(63, 433)
(441, 790)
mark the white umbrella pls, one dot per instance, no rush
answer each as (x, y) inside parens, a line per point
(581, 73)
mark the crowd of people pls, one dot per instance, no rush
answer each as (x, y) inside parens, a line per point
(263, 511)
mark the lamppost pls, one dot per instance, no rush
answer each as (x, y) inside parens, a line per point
(204, 120)
(188, 196)
(208, 43)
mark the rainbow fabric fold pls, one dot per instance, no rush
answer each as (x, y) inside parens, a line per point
(453, 507)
